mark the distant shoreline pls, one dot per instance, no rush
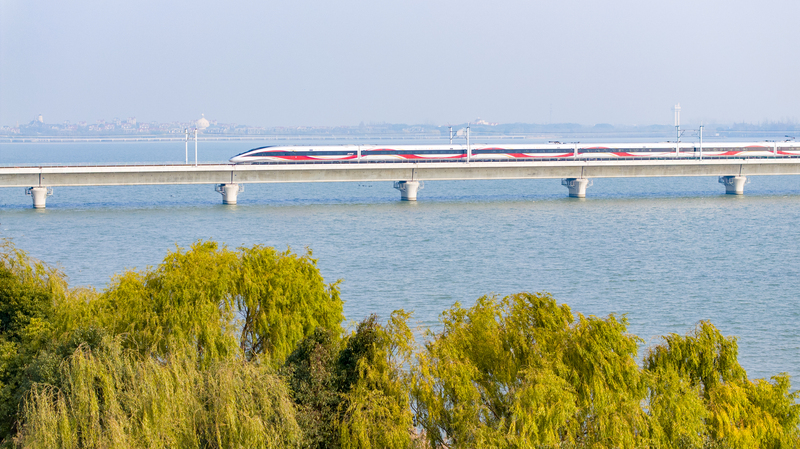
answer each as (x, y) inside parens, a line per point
(478, 136)
(49, 139)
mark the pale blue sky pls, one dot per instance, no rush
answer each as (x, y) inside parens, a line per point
(308, 62)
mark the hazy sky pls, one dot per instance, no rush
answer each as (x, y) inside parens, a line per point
(342, 62)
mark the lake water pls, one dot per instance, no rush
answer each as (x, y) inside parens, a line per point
(665, 252)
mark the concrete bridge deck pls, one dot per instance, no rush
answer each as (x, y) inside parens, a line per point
(407, 175)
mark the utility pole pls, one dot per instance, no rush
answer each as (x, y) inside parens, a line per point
(701, 140)
(195, 147)
(186, 146)
(468, 148)
(677, 128)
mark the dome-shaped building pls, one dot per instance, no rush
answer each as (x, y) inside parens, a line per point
(202, 123)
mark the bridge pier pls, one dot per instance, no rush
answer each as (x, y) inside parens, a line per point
(734, 185)
(229, 192)
(408, 189)
(577, 186)
(39, 195)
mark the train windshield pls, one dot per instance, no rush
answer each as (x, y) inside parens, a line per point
(254, 149)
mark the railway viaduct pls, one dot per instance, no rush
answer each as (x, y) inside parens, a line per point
(229, 179)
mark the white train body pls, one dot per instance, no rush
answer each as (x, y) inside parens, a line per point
(488, 152)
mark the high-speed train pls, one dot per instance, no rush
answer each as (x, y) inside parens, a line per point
(488, 152)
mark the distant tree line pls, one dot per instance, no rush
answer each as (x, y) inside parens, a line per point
(221, 348)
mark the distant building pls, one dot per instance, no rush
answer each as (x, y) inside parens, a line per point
(202, 123)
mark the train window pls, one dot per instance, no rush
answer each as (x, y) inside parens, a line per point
(602, 150)
(387, 151)
(271, 153)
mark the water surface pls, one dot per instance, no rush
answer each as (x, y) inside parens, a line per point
(666, 252)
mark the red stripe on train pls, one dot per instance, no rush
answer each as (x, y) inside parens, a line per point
(415, 156)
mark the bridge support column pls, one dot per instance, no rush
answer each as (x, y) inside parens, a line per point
(577, 186)
(39, 195)
(408, 189)
(734, 185)
(229, 192)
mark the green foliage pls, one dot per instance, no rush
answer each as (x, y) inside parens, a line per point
(352, 393)
(254, 302)
(700, 395)
(187, 299)
(30, 294)
(117, 398)
(311, 374)
(377, 411)
(282, 298)
(200, 310)
(521, 371)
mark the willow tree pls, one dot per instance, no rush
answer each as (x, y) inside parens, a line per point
(30, 296)
(377, 413)
(230, 315)
(353, 393)
(700, 396)
(114, 397)
(281, 298)
(522, 371)
(254, 301)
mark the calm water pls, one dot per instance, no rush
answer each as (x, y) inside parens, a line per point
(666, 252)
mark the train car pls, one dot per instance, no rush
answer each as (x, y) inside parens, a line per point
(488, 152)
(376, 153)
